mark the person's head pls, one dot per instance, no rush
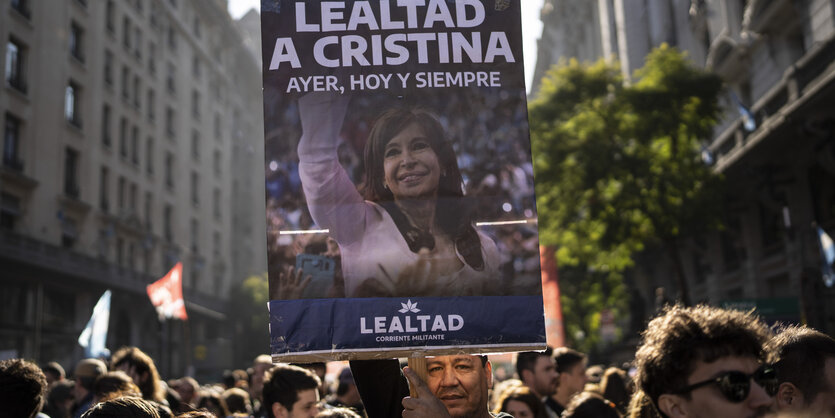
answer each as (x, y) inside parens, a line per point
(22, 388)
(59, 399)
(346, 388)
(124, 407)
(590, 405)
(705, 361)
(460, 382)
(53, 372)
(407, 156)
(571, 365)
(86, 373)
(340, 412)
(290, 392)
(212, 402)
(260, 365)
(236, 400)
(140, 367)
(187, 388)
(805, 365)
(538, 371)
(318, 368)
(521, 402)
(114, 384)
(614, 386)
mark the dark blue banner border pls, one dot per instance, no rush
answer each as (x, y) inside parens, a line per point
(321, 326)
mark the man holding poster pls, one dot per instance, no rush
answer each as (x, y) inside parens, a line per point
(400, 208)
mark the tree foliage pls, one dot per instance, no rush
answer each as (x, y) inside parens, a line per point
(250, 317)
(618, 166)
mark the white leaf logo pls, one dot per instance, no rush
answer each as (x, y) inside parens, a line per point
(409, 307)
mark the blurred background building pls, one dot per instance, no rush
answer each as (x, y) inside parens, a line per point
(775, 144)
(132, 140)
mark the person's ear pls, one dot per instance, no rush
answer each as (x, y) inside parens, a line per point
(526, 375)
(488, 368)
(789, 397)
(279, 411)
(672, 405)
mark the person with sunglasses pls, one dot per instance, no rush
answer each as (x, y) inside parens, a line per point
(805, 364)
(706, 362)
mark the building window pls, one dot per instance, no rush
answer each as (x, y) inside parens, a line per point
(15, 53)
(110, 16)
(169, 170)
(123, 137)
(169, 122)
(126, 32)
(195, 104)
(218, 131)
(195, 146)
(125, 82)
(11, 144)
(195, 236)
(137, 43)
(195, 66)
(132, 198)
(136, 94)
(71, 173)
(152, 62)
(22, 7)
(104, 185)
(195, 188)
(217, 163)
(197, 27)
(172, 37)
(9, 211)
(169, 79)
(72, 104)
(105, 125)
(149, 156)
(216, 204)
(77, 42)
(69, 232)
(167, 215)
(134, 145)
(148, 205)
(120, 192)
(108, 68)
(151, 99)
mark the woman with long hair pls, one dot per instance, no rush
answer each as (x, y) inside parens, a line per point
(409, 232)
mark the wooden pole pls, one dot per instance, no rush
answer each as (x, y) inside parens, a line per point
(418, 365)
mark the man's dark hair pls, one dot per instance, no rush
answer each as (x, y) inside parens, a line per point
(590, 405)
(527, 360)
(674, 341)
(800, 355)
(23, 388)
(124, 407)
(283, 383)
(566, 358)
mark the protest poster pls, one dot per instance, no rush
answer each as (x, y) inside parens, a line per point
(401, 217)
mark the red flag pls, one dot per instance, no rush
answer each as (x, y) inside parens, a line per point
(167, 294)
(551, 298)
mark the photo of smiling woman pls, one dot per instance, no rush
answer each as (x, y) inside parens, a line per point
(407, 230)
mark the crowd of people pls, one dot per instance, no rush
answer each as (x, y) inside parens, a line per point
(692, 362)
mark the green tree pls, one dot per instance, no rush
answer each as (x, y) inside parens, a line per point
(248, 302)
(618, 166)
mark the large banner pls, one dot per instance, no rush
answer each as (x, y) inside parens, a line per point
(401, 218)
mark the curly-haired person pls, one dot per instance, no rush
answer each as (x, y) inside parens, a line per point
(706, 362)
(22, 388)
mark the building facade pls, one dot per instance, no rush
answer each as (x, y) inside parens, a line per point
(132, 141)
(774, 144)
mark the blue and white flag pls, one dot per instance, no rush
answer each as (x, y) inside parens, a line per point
(95, 333)
(827, 248)
(748, 120)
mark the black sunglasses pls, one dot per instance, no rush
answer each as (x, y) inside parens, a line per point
(736, 385)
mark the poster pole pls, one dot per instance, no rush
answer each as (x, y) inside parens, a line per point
(418, 365)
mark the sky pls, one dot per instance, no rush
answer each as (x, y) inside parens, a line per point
(532, 27)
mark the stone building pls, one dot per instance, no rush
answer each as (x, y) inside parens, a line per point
(775, 143)
(132, 140)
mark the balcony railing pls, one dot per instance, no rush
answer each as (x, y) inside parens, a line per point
(14, 163)
(18, 84)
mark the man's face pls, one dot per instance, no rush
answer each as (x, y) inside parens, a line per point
(708, 401)
(574, 379)
(824, 402)
(461, 383)
(306, 406)
(545, 378)
(258, 370)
